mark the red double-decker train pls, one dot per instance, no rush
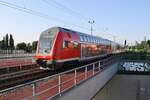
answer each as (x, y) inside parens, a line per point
(57, 46)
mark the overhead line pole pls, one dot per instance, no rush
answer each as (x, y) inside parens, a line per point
(91, 22)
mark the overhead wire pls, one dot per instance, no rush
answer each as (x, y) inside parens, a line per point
(78, 15)
(67, 9)
(40, 14)
(36, 13)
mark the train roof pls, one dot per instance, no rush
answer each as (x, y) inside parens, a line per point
(90, 38)
(86, 37)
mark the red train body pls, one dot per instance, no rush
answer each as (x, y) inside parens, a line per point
(58, 45)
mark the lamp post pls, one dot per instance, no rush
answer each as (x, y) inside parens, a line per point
(91, 22)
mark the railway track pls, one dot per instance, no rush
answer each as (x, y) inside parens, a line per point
(21, 77)
(16, 78)
(17, 68)
(7, 76)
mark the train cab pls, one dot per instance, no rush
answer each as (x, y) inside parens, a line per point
(56, 46)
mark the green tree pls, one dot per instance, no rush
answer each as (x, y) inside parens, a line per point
(0, 45)
(148, 43)
(7, 42)
(11, 42)
(3, 44)
(29, 48)
(34, 45)
(21, 46)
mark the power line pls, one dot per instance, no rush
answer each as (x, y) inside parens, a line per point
(39, 14)
(71, 12)
(67, 9)
(32, 12)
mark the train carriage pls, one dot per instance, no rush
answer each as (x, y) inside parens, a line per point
(58, 45)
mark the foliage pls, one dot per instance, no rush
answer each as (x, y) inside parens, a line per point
(7, 43)
(138, 55)
(34, 45)
(21, 46)
(27, 46)
(143, 46)
(11, 43)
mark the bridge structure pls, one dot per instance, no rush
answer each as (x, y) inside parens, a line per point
(81, 83)
(130, 83)
(134, 67)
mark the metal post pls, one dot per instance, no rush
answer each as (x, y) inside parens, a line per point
(8, 69)
(34, 91)
(93, 68)
(20, 67)
(99, 66)
(107, 60)
(86, 72)
(59, 84)
(75, 77)
(144, 66)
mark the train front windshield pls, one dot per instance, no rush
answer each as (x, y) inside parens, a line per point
(46, 42)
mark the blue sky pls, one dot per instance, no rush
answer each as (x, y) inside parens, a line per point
(125, 19)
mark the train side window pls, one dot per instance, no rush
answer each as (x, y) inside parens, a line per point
(65, 44)
(81, 38)
(88, 40)
(75, 44)
(101, 41)
(93, 39)
(85, 40)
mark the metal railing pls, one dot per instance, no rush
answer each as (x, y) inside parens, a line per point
(49, 87)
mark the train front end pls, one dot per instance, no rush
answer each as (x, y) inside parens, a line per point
(45, 48)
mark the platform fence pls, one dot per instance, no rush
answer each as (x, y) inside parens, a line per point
(15, 54)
